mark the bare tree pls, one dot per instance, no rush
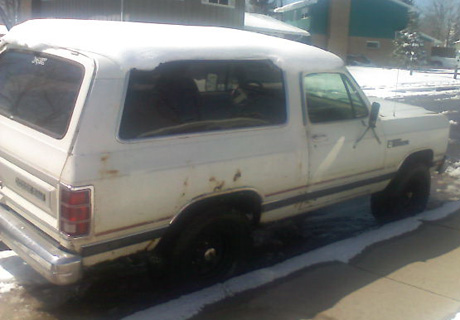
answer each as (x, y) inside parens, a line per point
(9, 12)
(442, 20)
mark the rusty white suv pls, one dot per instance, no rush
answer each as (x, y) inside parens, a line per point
(119, 138)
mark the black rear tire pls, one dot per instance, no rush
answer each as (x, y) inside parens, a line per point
(211, 248)
(406, 195)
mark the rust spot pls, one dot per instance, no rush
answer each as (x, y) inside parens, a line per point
(186, 183)
(212, 179)
(108, 173)
(105, 158)
(237, 175)
(219, 186)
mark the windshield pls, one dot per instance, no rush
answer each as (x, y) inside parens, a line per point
(39, 90)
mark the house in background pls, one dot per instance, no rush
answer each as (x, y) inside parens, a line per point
(352, 27)
(360, 28)
(226, 13)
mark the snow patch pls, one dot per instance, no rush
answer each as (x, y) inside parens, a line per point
(453, 123)
(6, 287)
(396, 83)
(454, 170)
(14, 272)
(190, 305)
(5, 276)
(448, 111)
(7, 280)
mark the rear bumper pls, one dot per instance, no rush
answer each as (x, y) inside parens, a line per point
(40, 251)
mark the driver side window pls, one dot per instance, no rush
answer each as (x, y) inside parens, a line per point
(332, 97)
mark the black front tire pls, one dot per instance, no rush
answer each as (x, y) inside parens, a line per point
(211, 248)
(406, 195)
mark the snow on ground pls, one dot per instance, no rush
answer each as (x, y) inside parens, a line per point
(395, 83)
(7, 280)
(189, 305)
(14, 272)
(454, 170)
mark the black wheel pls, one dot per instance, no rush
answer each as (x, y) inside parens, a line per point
(405, 196)
(211, 248)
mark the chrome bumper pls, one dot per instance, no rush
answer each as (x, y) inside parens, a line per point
(38, 250)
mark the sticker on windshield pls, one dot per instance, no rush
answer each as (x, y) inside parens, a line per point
(38, 61)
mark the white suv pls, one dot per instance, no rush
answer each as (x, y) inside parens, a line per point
(119, 138)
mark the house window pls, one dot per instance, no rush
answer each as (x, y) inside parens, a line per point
(224, 3)
(373, 44)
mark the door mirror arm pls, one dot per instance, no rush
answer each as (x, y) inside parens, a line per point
(375, 108)
(373, 116)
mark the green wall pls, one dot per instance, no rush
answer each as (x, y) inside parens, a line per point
(320, 17)
(377, 18)
(368, 18)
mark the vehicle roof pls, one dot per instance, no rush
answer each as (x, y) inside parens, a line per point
(138, 45)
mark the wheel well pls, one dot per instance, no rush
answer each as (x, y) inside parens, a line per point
(424, 156)
(247, 202)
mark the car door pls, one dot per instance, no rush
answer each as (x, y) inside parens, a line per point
(340, 148)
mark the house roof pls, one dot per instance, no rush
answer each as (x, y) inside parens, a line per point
(295, 5)
(268, 25)
(145, 45)
(402, 3)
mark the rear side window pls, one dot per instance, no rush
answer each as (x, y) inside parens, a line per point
(185, 97)
(39, 90)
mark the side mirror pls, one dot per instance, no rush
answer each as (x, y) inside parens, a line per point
(375, 108)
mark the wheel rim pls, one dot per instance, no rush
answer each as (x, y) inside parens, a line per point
(211, 255)
(411, 199)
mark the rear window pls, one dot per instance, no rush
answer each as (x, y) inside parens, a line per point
(184, 97)
(39, 90)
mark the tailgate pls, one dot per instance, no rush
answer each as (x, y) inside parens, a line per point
(41, 98)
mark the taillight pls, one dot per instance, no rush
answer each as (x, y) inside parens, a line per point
(75, 218)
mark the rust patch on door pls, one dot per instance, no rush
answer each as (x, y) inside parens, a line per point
(219, 187)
